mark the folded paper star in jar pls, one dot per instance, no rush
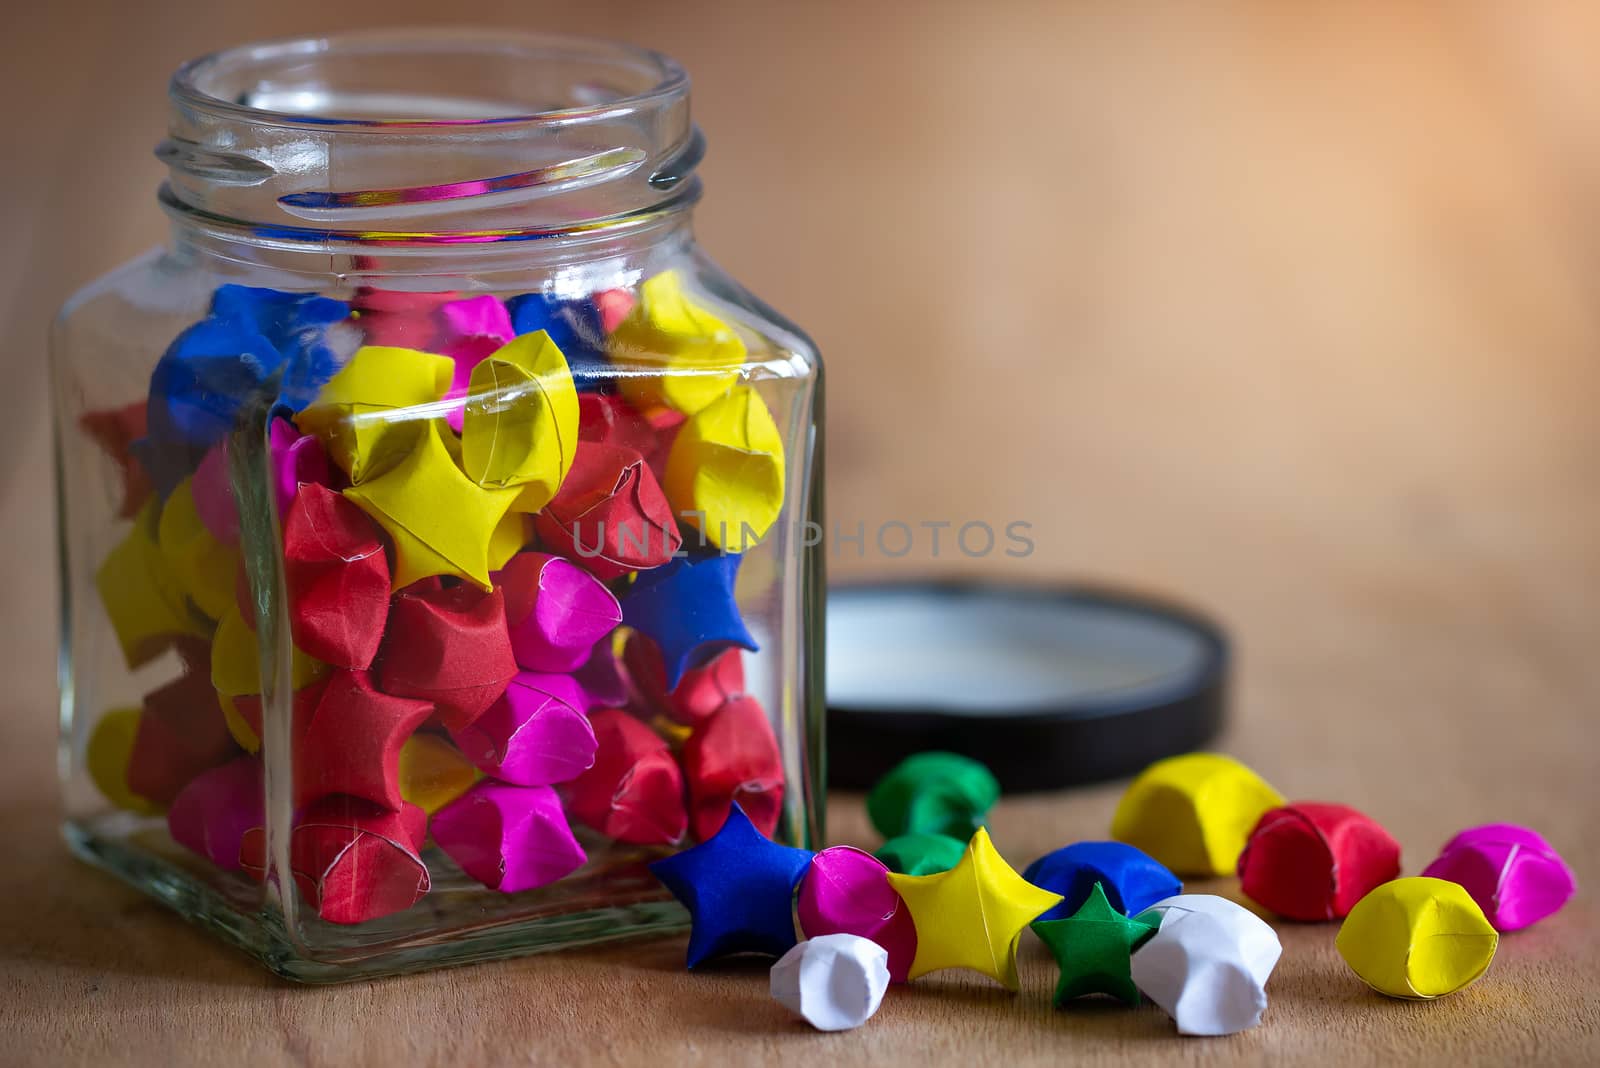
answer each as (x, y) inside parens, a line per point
(610, 516)
(1514, 875)
(142, 597)
(687, 608)
(213, 813)
(337, 578)
(695, 355)
(520, 429)
(724, 475)
(1093, 948)
(556, 612)
(739, 889)
(634, 791)
(1311, 861)
(733, 758)
(1208, 963)
(529, 735)
(349, 741)
(972, 916)
(372, 413)
(1193, 813)
(448, 646)
(509, 838)
(352, 860)
(834, 982)
(1417, 938)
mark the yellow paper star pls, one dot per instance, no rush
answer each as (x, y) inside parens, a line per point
(362, 415)
(142, 596)
(972, 915)
(441, 522)
(725, 471)
(203, 566)
(433, 772)
(521, 422)
(695, 354)
(1194, 812)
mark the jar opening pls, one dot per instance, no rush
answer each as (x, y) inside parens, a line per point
(409, 78)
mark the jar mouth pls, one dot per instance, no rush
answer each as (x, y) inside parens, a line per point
(409, 78)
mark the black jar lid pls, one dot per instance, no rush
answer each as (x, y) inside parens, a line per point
(1049, 687)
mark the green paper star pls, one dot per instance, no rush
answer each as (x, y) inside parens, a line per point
(1093, 948)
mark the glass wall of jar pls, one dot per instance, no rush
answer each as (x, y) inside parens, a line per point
(434, 513)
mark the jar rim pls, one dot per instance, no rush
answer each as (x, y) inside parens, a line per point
(198, 83)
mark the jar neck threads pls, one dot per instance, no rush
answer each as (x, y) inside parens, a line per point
(425, 143)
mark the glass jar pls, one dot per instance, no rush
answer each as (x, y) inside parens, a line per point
(433, 511)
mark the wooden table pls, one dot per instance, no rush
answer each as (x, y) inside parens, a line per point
(1288, 310)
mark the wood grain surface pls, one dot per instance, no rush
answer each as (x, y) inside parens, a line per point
(1288, 310)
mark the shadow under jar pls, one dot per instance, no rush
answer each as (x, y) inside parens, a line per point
(433, 511)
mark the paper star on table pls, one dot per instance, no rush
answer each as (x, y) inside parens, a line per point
(1094, 948)
(688, 607)
(739, 889)
(440, 521)
(972, 915)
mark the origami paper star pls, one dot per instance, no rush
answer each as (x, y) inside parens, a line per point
(1208, 964)
(439, 520)
(371, 415)
(1417, 938)
(688, 608)
(115, 430)
(509, 838)
(574, 325)
(212, 814)
(448, 646)
(694, 355)
(555, 612)
(634, 791)
(1093, 948)
(700, 692)
(337, 578)
(142, 597)
(739, 889)
(933, 792)
(353, 861)
(725, 471)
(610, 516)
(203, 566)
(351, 742)
(847, 891)
(529, 737)
(733, 759)
(181, 733)
(1514, 875)
(972, 916)
(297, 326)
(433, 772)
(200, 383)
(607, 419)
(1311, 861)
(106, 759)
(921, 853)
(521, 423)
(834, 982)
(1130, 879)
(1193, 813)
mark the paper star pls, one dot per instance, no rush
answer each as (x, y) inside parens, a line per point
(972, 915)
(1208, 964)
(921, 853)
(521, 422)
(351, 742)
(509, 838)
(440, 521)
(688, 607)
(610, 516)
(1514, 875)
(1417, 938)
(372, 413)
(695, 354)
(1093, 948)
(1312, 861)
(724, 475)
(733, 757)
(834, 982)
(1131, 880)
(934, 793)
(1194, 812)
(739, 890)
(296, 324)
(574, 325)
(634, 791)
(433, 772)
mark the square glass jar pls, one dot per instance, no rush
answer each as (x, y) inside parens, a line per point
(437, 520)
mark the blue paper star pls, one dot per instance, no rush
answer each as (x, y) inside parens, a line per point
(687, 607)
(297, 326)
(738, 886)
(1132, 879)
(574, 326)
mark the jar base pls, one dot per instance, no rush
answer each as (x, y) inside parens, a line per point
(240, 921)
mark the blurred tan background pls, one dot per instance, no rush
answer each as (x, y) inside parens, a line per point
(1291, 310)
